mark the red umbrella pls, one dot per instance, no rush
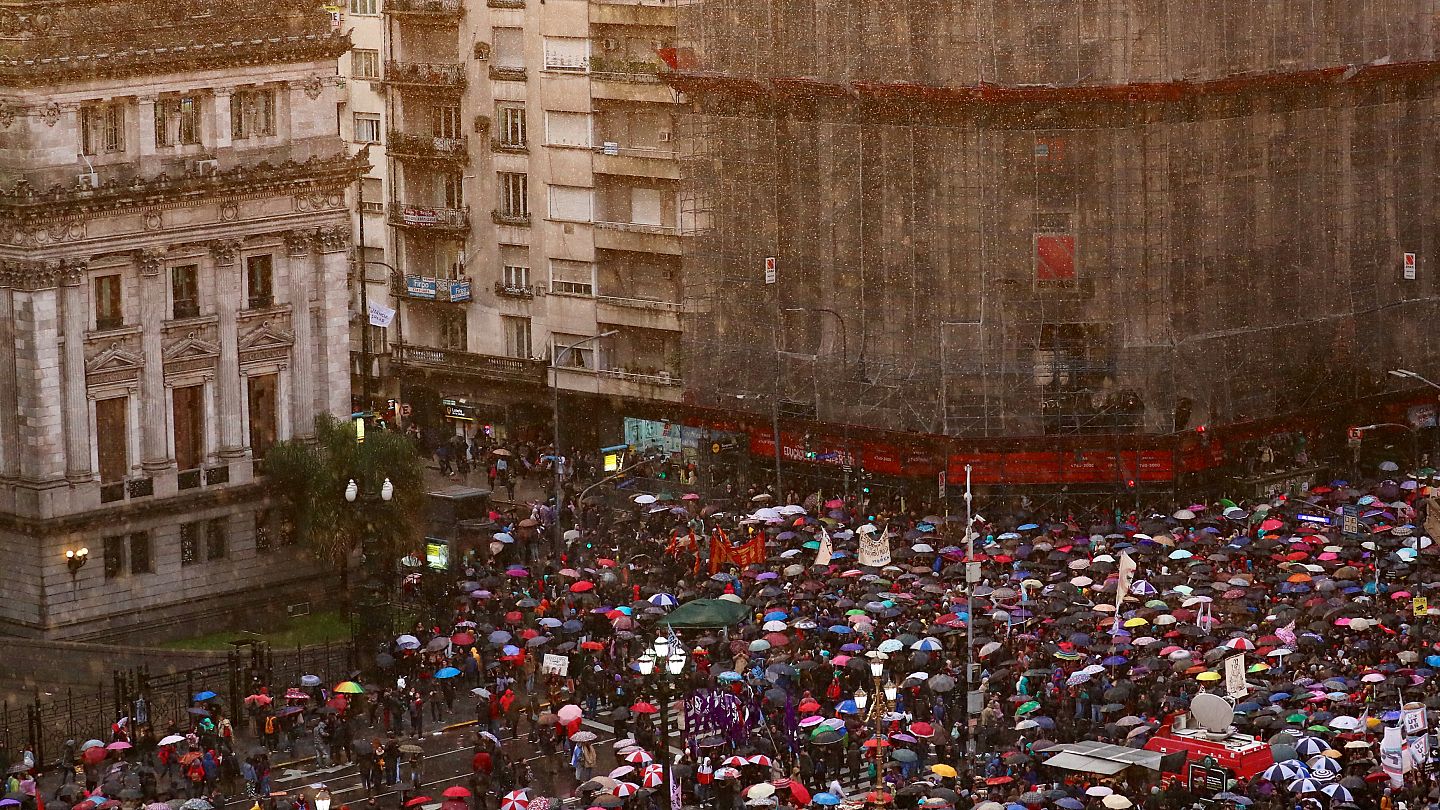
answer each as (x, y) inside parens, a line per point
(644, 708)
(462, 639)
(456, 792)
(582, 586)
(417, 801)
(591, 645)
(94, 755)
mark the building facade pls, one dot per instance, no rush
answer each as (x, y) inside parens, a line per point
(174, 236)
(996, 219)
(531, 188)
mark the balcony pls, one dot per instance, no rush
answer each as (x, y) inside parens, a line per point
(503, 218)
(514, 291)
(507, 73)
(469, 364)
(429, 219)
(644, 313)
(629, 161)
(509, 147)
(638, 238)
(428, 147)
(439, 10)
(426, 75)
(129, 489)
(428, 288)
(621, 383)
(649, 13)
(505, 3)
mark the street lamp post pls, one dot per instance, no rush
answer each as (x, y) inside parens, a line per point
(970, 583)
(555, 421)
(674, 664)
(884, 698)
(369, 563)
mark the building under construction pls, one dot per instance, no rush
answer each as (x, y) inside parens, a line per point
(1025, 218)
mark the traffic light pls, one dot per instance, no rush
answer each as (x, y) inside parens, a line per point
(810, 455)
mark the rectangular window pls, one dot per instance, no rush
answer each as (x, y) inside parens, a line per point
(108, 314)
(646, 206)
(515, 276)
(570, 203)
(264, 530)
(102, 128)
(217, 541)
(1055, 257)
(445, 119)
(517, 336)
(512, 125)
(452, 331)
(190, 542)
(185, 290)
(112, 438)
(177, 121)
(261, 410)
(567, 53)
(567, 128)
(188, 413)
(365, 7)
(507, 48)
(580, 356)
(114, 556)
(141, 561)
(367, 127)
(572, 278)
(514, 194)
(364, 63)
(259, 281)
(252, 113)
(453, 187)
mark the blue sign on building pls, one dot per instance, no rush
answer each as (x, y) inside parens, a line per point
(420, 287)
(460, 290)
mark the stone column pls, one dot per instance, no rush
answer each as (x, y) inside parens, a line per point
(302, 354)
(38, 373)
(77, 406)
(229, 409)
(155, 448)
(334, 272)
(9, 394)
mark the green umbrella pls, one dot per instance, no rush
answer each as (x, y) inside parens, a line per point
(1027, 707)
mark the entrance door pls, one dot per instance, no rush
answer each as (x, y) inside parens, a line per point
(262, 414)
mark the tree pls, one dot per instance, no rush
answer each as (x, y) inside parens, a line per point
(309, 476)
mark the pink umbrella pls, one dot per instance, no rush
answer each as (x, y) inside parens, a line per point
(569, 713)
(118, 745)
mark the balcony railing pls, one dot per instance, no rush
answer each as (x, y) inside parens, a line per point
(513, 369)
(635, 227)
(613, 149)
(513, 147)
(507, 73)
(447, 75)
(646, 377)
(427, 218)
(402, 144)
(639, 303)
(625, 70)
(502, 218)
(446, 8)
(112, 491)
(514, 290)
(430, 288)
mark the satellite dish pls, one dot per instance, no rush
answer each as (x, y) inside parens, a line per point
(1213, 712)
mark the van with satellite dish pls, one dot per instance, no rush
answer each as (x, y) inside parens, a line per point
(1206, 732)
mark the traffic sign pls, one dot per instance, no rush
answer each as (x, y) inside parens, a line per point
(1350, 521)
(1419, 606)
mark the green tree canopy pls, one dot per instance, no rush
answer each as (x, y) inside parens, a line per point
(309, 476)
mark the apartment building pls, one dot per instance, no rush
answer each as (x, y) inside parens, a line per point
(531, 189)
(173, 260)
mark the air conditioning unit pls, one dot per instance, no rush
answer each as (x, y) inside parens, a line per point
(204, 167)
(88, 180)
(664, 136)
(610, 44)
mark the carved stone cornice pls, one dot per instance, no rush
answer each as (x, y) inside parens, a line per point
(29, 275)
(72, 272)
(298, 243)
(333, 239)
(224, 251)
(151, 261)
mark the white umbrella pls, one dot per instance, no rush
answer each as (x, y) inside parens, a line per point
(645, 499)
(1098, 790)
(1116, 802)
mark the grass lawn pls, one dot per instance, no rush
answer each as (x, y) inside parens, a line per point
(317, 628)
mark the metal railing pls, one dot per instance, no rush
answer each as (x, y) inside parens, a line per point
(514, 290)
(442, 7)
(518, 369)
(640, 303)
(425, 74)
(403, 144)
(614, 149)
(415, 216)
(658, 378)
(635, 227)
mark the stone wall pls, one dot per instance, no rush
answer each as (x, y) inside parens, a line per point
(32, 668)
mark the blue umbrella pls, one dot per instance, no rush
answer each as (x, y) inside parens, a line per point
(447, 672)
(776, 616)
(846, 706)
(663, 600)
(206, 695)
(825, 799)
(840, 629)
(509, 649)
(1115, 661)
(1070, 803)
(728, 676)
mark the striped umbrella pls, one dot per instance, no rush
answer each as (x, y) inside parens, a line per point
(625, 789)
(515, 800)
(653, 776)
(1304, 786)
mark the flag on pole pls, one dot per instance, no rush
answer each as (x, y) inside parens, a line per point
(1127, 578)
(826, 551)
(381, 315)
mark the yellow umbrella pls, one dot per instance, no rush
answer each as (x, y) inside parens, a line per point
(943, 770)
(1138, 621)
(1208, 675)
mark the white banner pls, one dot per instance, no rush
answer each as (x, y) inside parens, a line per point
(1419, 751)
(826, 551)
(1127, 578)
(875, 551)
(1235, 685)
(1413, 720)
(381, 315)
(1392, 756)
(555, 664)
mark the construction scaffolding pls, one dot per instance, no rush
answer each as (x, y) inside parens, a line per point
(1026, 217)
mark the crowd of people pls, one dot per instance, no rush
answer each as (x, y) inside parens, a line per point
(830, 663)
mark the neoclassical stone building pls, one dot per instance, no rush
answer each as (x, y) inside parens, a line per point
(174, 241)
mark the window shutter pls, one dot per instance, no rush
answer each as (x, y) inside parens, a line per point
(571, 203)
(567, 128)
(567, 53)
